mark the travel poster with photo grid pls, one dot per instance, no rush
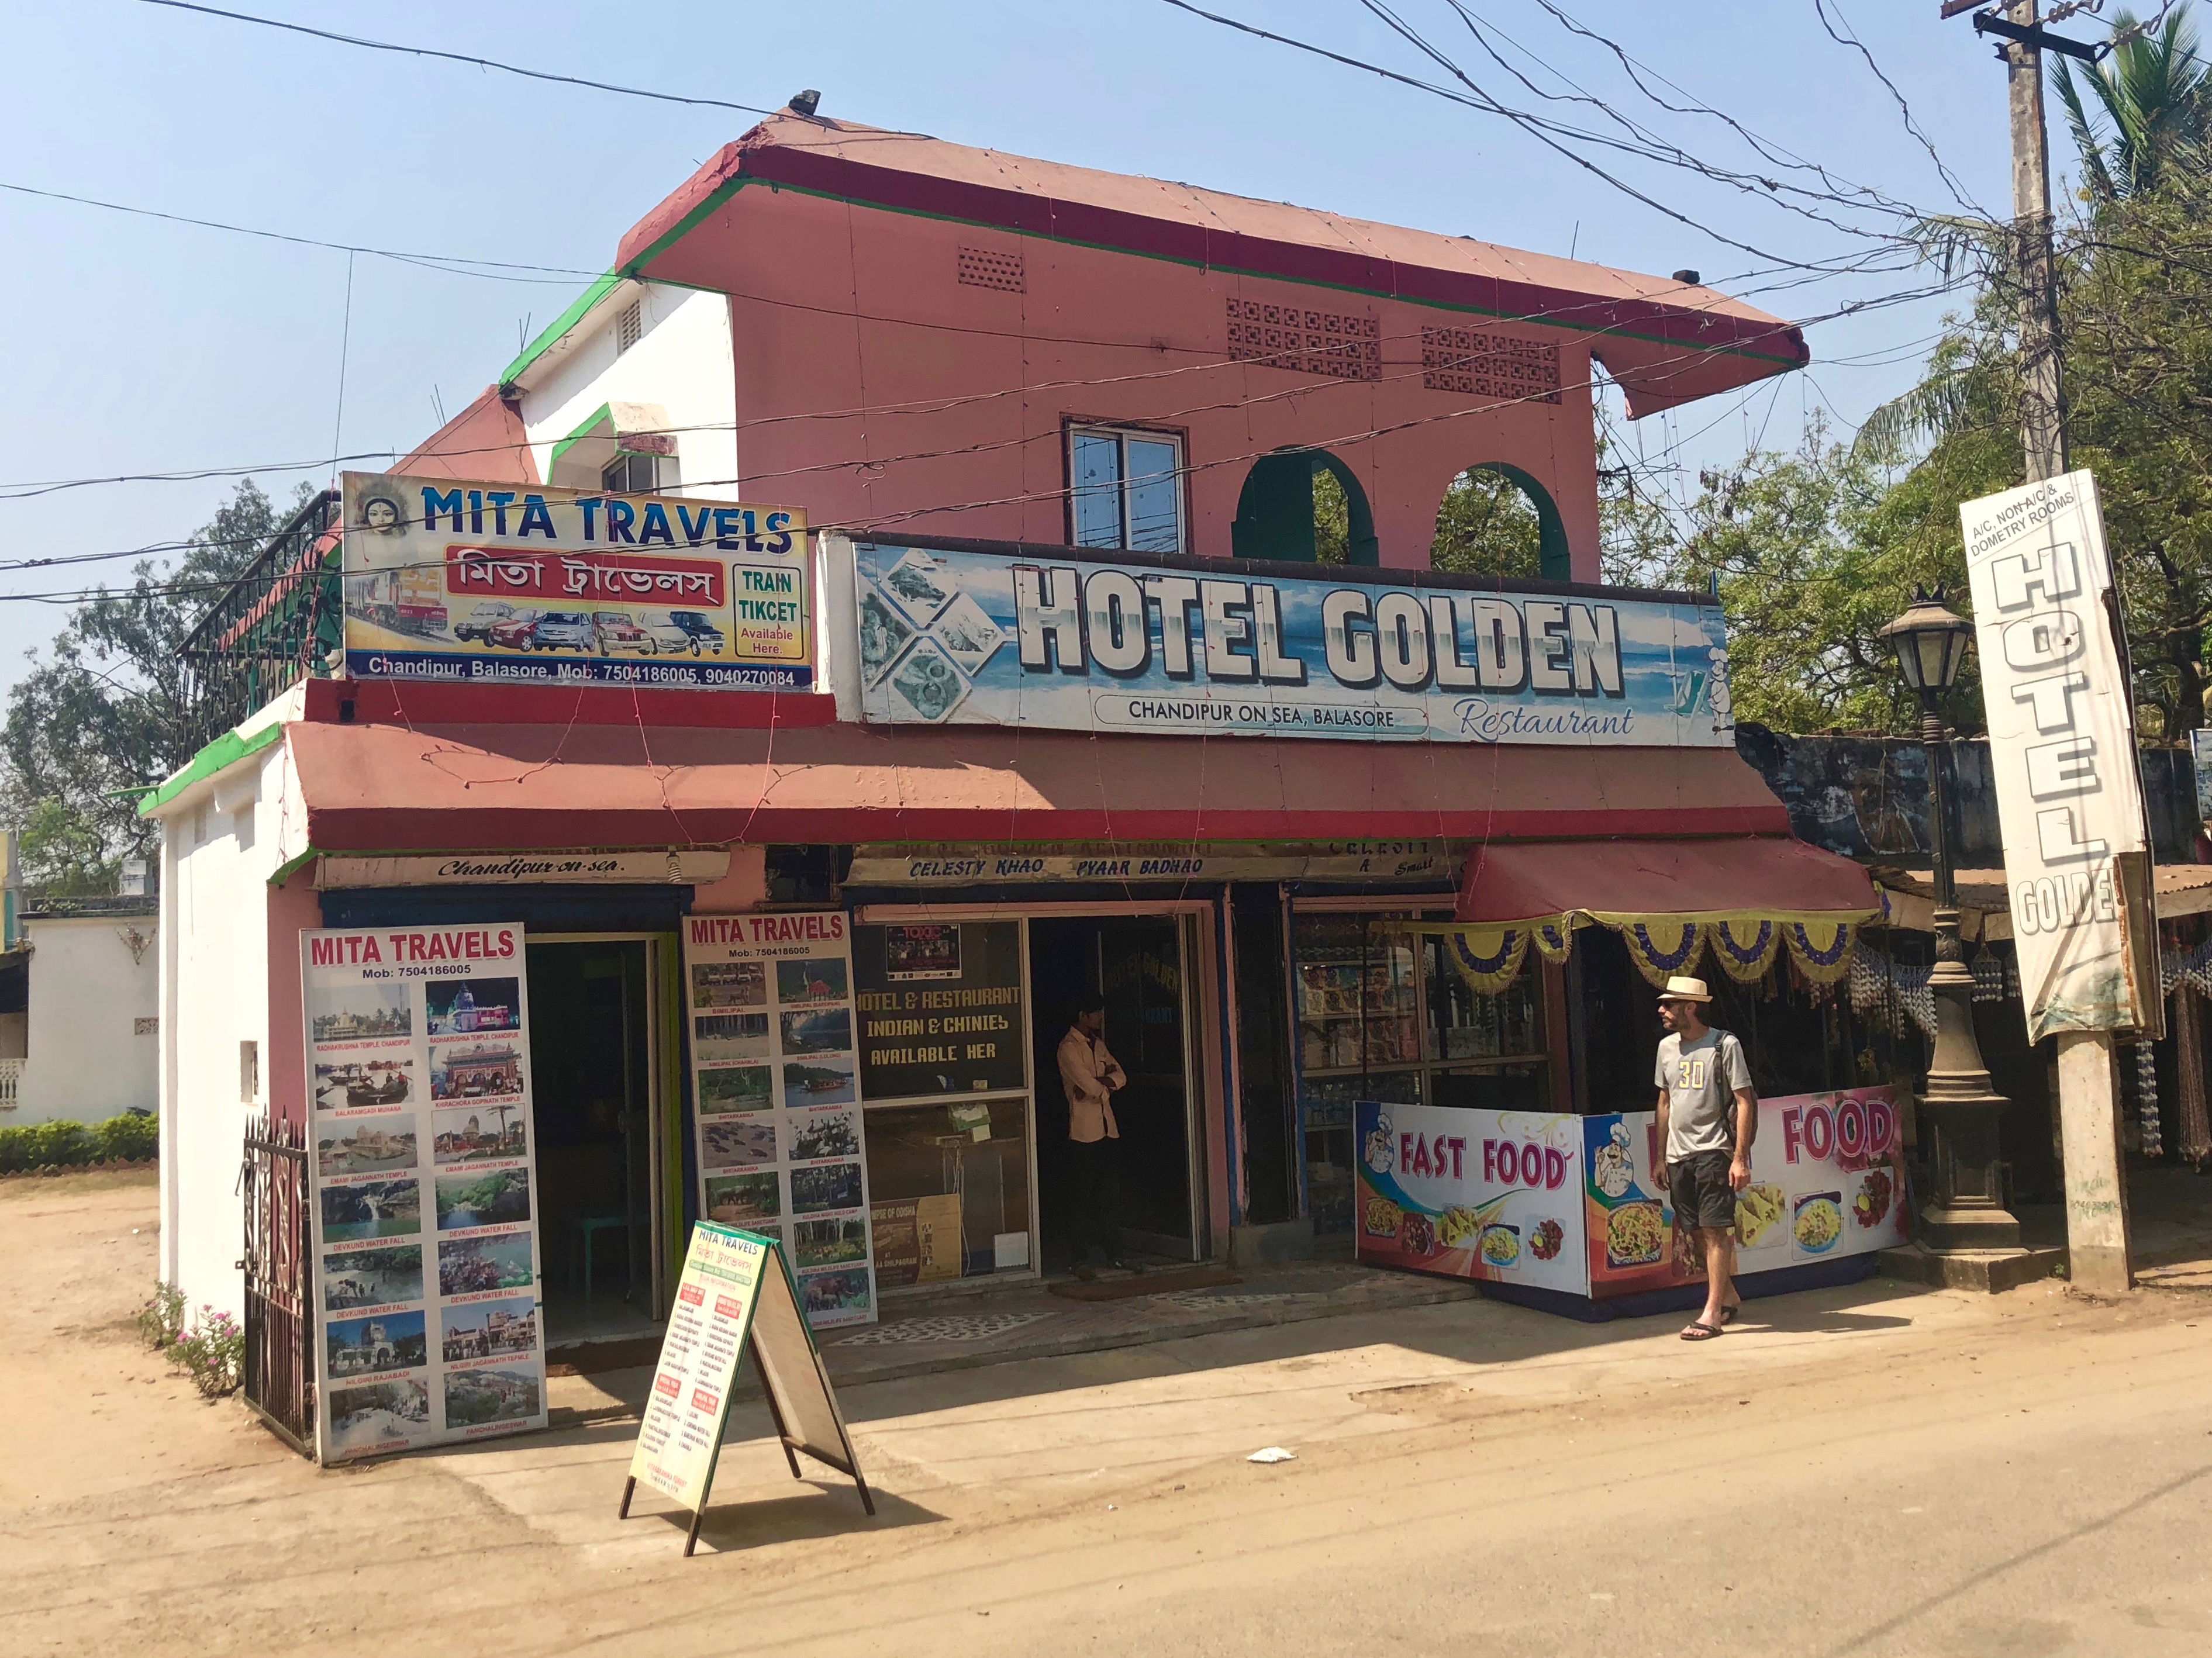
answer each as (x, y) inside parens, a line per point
(430, 1322)
(776, 1099)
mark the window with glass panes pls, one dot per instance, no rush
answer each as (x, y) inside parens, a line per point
(1126, 487)
(1384, 1015)
(631, 474)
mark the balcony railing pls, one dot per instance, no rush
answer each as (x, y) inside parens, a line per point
(275, 624)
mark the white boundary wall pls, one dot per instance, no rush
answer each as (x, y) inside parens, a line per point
(86, 1058)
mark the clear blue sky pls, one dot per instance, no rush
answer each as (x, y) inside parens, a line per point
(137, 346)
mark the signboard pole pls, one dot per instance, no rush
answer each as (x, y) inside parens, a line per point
(736, 1296)
(2077, 849)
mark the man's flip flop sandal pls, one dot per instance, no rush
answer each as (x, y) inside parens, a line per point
(1701, 1332)
(1728, 1313)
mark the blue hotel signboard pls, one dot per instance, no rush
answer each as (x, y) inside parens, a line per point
(968, 638)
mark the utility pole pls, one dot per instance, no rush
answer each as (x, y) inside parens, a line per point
(2088, 1086)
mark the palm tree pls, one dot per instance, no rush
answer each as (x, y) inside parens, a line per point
(2154, 94)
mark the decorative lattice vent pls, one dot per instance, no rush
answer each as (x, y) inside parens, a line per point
(979, 267)
(1345, 348)
(1480, 364)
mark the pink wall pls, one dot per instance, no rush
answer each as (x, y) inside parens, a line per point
(810, 278)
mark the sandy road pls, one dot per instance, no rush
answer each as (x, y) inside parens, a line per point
(1857, 1472)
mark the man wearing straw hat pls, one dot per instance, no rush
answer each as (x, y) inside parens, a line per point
(1707, 1115)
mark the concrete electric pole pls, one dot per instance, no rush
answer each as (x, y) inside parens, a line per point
(2088, 1091)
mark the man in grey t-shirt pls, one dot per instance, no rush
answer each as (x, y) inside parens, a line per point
(1707, 1115)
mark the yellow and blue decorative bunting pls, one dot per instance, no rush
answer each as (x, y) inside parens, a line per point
(1745, 946)
(1488, 958)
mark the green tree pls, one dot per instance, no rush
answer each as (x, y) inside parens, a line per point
(1487, 526)
(2152, 96)
(104, 711)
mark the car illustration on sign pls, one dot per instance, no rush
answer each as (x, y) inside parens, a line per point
(682, 631)
(563, 630)
(515, 632)
(479, 623)
(617, 630)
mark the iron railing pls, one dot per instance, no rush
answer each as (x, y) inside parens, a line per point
(279, 1378)
(274, 625)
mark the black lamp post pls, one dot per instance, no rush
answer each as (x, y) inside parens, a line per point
(1958, 1107)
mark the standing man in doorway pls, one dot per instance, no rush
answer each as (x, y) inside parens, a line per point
(1090, 1076)
(1707, 1115)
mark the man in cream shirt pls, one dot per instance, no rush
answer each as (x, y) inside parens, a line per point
(1090, 1076)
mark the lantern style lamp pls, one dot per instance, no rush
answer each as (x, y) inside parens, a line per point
(1965, 1210)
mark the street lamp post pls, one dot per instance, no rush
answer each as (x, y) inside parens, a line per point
(1959, 1109)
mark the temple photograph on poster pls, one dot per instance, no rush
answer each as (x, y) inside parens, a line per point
(462, 1007)
(815, 979)
(478, 1133)
(475, 1070)
(487, 1394)
(371, 1278)
(367, 1147)
(360, 1012)
(489, 1329)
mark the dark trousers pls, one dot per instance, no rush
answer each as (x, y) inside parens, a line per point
(1095, 1165)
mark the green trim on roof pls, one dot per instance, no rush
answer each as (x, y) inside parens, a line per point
(284, 871)
(221, 754)
(606, 411)
(586, 302)
(691, 220)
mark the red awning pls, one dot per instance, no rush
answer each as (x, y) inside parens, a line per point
(1765, 874)
(387, 787)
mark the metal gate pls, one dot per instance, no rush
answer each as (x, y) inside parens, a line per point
(280, 1322)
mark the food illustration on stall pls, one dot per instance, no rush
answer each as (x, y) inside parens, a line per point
(1634, 1235)
(1457, 1226)
(1819, 1222)
(1382, 1220)
(1501, 1245)
(1417, 1235)
(1876, 1192)
(1758, 1208)
(1545, 1239)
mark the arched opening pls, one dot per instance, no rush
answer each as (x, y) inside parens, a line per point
(1496, 521)
(1306, 507)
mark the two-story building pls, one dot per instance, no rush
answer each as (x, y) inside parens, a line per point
(1097, 654)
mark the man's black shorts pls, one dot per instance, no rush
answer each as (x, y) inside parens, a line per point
(1700, 1187)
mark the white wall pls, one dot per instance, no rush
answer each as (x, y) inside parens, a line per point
(216, 867)
(85, 1060)
(682, 362)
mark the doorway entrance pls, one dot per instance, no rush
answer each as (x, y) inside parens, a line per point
(591, 1071)
(1136, 964)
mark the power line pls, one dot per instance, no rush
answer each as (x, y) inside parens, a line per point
(464, 58)
(1843, 38)
(452, 264)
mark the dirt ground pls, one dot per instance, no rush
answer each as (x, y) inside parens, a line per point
(1874, 1470)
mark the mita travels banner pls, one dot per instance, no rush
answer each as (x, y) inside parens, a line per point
(775, 1096)
(497, 584)
(971, 638)
(428, 1317)
(2062, 753)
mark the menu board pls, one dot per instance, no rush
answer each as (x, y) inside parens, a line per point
(733, 1297)
(1827, 1180)
(776, 1098)
(1492, 1195)
(681, 1432)
(427, 1270)
(941, 1009)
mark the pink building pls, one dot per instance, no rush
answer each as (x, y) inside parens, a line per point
(901, 333)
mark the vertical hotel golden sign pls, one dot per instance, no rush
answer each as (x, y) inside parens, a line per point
(503, 583)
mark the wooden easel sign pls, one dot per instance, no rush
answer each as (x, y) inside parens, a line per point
(736, 1292)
